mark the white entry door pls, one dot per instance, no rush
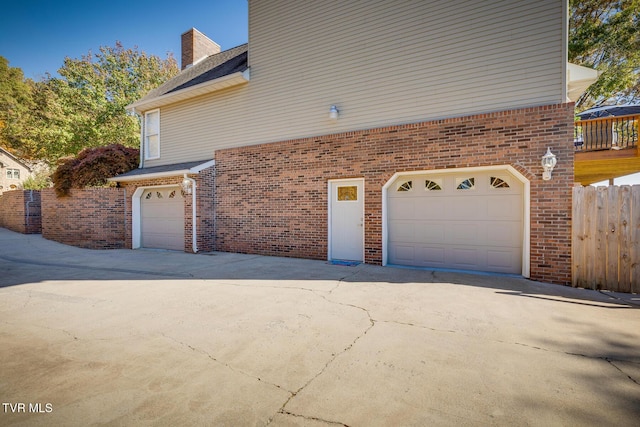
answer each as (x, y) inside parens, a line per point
(346, 220)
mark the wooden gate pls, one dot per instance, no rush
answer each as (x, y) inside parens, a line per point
(606, 238)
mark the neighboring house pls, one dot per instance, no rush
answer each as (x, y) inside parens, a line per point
(13, 171)
(392, 133)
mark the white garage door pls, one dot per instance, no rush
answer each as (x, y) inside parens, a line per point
(466, 220)
(162, 218)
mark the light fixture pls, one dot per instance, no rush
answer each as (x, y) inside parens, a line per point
(333, 112)
(186, 186)
(548, 163)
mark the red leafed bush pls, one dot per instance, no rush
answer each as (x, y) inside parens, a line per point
(92, 166)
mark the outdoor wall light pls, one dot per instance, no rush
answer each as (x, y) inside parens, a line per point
(186, 186)
(333, 112)
(548, 163)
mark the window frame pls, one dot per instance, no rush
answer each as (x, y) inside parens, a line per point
(13, 173)
(147, 134)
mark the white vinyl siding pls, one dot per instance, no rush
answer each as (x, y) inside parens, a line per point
(152, 135)
(381, 63)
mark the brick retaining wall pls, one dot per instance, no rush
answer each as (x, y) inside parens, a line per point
(20, 211)
(92, 218)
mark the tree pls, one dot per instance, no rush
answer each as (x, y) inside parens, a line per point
(83, 107)
(15, 103)
(92, 166)
(605, 35)
(90, 97)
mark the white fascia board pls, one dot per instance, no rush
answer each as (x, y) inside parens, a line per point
(204, 88)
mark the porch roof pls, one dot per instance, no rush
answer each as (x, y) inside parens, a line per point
(176, 169)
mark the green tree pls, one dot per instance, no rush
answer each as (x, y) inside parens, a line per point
(85, 106)
(82, 107)
(605, 35)
(15, 103)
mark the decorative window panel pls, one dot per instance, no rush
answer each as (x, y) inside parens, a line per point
(465, 183)
(348, 193)
(433, 185)
(405, 186)
(496, 182)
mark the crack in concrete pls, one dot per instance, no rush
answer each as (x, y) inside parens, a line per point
(607, 359)
(418, 326)
(228, 366)
(336, 423)
(329, 362)
(610, 361)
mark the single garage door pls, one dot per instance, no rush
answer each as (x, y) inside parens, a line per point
(465, 220)
(162, 218)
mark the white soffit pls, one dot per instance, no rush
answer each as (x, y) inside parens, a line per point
(204, 88)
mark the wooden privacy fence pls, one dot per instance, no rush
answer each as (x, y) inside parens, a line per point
(606, 238)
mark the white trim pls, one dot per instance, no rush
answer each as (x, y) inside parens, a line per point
(329, 206)
(526, 239)
(136, 218)
(201, 167)
(197, 90)
(145, 135)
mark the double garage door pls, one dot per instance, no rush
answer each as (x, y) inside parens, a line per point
(162, 218)
(465, 220)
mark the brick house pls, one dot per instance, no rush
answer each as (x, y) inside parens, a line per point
(391, 133)
(13, 171)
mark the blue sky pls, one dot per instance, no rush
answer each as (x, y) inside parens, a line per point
(37, 35)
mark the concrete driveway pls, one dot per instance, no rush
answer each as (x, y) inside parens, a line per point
(159, 338)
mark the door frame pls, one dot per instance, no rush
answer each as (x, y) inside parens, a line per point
(329, 214)
(526, 203)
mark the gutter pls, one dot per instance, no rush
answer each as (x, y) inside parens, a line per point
(194, 211)
(27, 207)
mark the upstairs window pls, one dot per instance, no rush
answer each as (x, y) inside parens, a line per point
(152, 135)
(13, 173)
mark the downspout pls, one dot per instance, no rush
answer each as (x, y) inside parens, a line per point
(141, 122)
(194, 236)
(27, 208)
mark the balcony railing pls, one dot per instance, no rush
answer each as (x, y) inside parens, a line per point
(608, 133)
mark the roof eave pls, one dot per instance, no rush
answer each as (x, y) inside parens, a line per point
(211, 86)
(166, 174)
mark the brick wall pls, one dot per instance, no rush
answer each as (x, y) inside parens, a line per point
(92, 218)
(20, 211)
(272, 198)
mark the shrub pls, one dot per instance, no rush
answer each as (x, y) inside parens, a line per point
(92, 166)
(37, 181)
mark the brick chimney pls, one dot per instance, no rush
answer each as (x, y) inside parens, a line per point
(196, 46)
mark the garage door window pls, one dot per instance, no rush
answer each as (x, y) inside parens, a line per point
(434, 185)
(405, 186)
(465, 184)
(498, 182)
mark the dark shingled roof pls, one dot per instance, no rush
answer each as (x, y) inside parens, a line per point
(213, 67)
(164, 168)
(610, 111)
